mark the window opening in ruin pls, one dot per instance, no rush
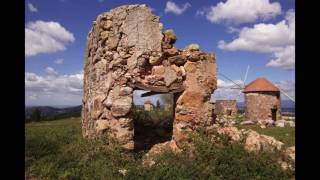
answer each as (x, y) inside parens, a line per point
(274, 114)
(153, 119)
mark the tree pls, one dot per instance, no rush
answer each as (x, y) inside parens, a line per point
(35, 115)
(167, 99)
(158, 104)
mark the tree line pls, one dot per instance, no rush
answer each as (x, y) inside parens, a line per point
(37, 116)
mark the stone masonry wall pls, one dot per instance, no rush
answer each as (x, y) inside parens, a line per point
(222, 107)
(259, 105)
(127, 50)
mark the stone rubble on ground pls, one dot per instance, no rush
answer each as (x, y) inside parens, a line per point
(232, 132)
(280, 123)
(149, 158)
(123, 171)
(269, 123)
(256, 142)
(266, 122)
(291, 152)
(247, 122)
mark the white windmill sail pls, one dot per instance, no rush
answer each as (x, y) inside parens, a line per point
(244, 81)
(283, 92)
(239, 86)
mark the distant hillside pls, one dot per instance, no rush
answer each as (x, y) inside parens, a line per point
(286, 105)
(49, 112)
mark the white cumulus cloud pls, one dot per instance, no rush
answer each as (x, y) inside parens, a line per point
(59, 61)
(32, 8)
(53, 90)
(284, 58)
(46, 37)
(51, 71)
(241, 11)
(225, 91)
(176, 9)
(277, 39)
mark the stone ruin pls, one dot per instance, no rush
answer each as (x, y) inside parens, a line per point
(262, 101)
(148, 106)
(126, 51)
(226, 108)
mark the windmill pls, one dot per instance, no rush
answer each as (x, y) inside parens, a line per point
(240, 87)
(243, 85)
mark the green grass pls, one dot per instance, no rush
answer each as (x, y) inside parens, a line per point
(283, 134)
(56, 150)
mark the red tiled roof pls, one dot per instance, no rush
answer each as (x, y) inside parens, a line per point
(260, 84)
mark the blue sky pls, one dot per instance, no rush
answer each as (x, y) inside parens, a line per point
(252, 35)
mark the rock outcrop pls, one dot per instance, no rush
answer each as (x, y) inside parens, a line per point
(232, 132)
(127, 50)
(149, 159)
(256, 142)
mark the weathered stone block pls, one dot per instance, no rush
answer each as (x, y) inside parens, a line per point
(121, 106)
(170, 76)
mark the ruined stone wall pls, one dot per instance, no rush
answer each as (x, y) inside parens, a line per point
(127, 50)
(259, 105)
(223, 106)
(148, 107)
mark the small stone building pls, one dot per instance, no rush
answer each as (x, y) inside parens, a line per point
(226, 108)
(148, 106)
(262, 100)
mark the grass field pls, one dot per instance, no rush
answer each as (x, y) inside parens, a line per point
(56, 150)
(283, 134)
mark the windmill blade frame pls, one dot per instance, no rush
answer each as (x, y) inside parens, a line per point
(245, 77)
(244, 81)
(283, 92)
(230, 80)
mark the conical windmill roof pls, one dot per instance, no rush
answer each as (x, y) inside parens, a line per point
(259, 85)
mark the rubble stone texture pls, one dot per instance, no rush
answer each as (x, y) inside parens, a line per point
(232, 132)
(226, 108)
(259, 105)
(148, 106)
(256, 142)
(262, 100)
(126, 51)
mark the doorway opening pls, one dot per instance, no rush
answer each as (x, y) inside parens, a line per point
(153, 119)
(274, 114)
(229, 112)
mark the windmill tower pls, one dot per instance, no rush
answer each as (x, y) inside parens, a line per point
(262, 98)
(243, 85)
